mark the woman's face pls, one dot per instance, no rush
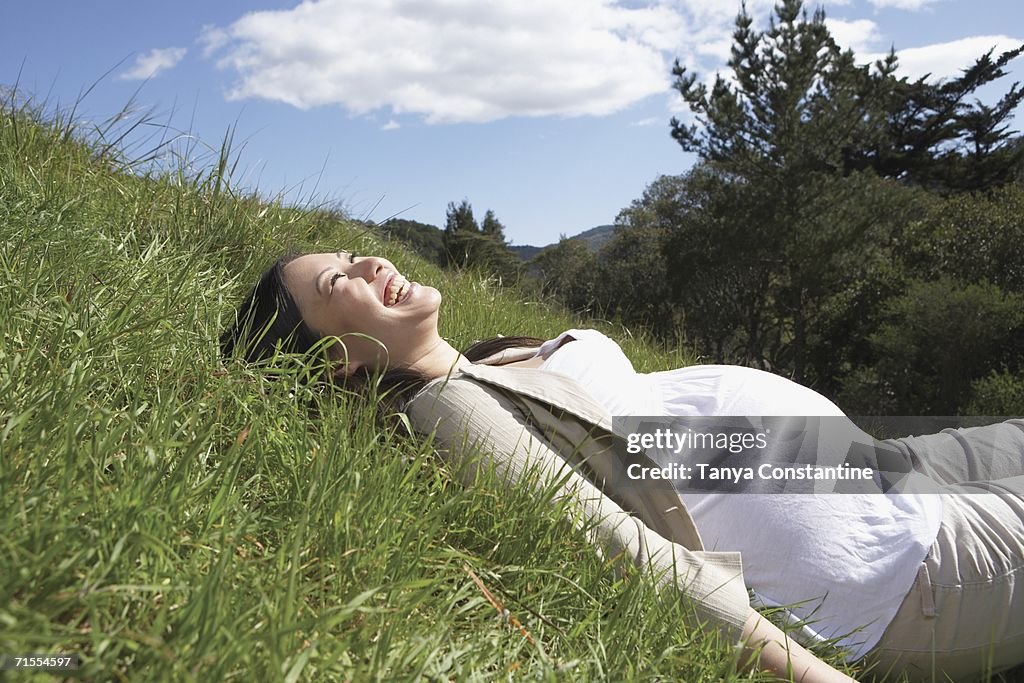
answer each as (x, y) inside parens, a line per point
(350, 296)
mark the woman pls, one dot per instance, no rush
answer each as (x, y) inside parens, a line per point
(921, 584)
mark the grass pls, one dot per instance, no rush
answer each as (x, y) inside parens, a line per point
(170, 518)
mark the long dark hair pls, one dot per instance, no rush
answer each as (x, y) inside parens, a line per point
(267, 318)
(269, 321)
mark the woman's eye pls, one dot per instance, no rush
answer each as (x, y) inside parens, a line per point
(334, 278)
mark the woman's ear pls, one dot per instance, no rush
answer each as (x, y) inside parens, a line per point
(342, 365)
(346, 368)
(354, 354)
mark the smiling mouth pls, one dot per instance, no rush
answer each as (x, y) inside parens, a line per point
(396, 291)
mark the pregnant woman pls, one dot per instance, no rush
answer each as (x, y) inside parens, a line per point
(925, 584)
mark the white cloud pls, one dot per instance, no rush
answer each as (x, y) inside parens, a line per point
(911, 5)
(717, 15)
(391, 125)
(153, 62)
(212, 39)
(452, 60)
(861, 35)
(720, 50)
(944, 60)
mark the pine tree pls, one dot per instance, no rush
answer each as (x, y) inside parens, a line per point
(459, 218)
(813, 169)
(780, 245)
(801, 103)
(460, 229)
(467, 245)
(492, 227)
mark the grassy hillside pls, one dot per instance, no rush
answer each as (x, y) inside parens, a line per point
(170, 518)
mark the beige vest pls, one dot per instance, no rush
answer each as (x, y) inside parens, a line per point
(542, 428)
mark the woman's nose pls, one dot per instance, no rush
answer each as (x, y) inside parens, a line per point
(369, 267)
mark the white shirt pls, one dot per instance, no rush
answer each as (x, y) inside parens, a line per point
(842, 562)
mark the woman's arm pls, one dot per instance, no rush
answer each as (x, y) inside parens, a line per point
(766, 647)
(476, 426)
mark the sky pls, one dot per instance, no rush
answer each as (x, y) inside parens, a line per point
(552, 113)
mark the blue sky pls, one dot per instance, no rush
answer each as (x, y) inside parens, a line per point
(553, 113)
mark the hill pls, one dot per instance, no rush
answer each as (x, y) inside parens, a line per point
(426, 240)
(169, 516)
(594, 238)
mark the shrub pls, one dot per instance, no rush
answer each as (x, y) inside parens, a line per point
(999, 393)
(936, 339)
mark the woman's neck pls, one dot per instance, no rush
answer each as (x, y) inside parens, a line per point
(439, 360)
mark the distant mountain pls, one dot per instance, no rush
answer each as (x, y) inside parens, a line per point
(526, 252)
(595, 238)
(426, 239)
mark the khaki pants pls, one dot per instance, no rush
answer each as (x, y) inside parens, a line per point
(964, 616)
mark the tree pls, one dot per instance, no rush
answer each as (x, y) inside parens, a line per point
(467, 245)
(426, 240)
(757, 251)
(973, 238)
(567, 273)
(801, 104)
(632, 282)
(938, 339)
(459, 218)
(459, 228)
(492, 227)
(938, 141)
(809, 164)
(999, 393)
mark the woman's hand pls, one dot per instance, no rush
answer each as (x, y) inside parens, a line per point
(767, 648)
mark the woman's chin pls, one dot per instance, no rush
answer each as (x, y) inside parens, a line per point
(426, 293)
(421, 300)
